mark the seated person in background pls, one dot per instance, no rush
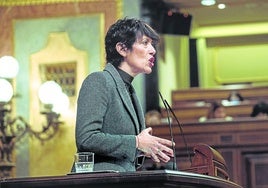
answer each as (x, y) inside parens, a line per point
(216, 111)
(152, 117)
(260, 110)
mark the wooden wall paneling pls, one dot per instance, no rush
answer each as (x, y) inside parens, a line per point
(259, 170)
(236, 140)
(228, 155)
(256, 169)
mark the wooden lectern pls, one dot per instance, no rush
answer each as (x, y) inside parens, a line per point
(208, 161)
(140, 179)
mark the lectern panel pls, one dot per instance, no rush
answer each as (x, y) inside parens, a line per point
(141, 179)
(257, 165)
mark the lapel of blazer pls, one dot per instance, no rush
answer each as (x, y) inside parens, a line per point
(123, 93)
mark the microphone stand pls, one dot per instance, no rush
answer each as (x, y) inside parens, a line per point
(171, 133)
(183, 137)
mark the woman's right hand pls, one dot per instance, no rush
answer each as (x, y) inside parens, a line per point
(158, 149)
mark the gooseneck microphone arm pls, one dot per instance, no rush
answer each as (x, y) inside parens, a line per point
(171, 133)
(180, 126)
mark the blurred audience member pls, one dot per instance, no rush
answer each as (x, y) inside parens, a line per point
(216, 111)
(152, 117)
(260, 110)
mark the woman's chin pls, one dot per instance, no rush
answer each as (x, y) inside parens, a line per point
(148, 70)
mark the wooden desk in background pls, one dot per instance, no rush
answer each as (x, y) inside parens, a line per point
(191, 104)
(242, 142)
(218, 94)
(190, 111)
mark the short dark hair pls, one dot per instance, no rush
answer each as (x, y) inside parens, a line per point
(213, 107)
(126, 31)
(260, 107)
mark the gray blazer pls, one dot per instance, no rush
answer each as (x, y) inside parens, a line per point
(106, 121)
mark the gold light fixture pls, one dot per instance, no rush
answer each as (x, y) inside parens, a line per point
(12, 129)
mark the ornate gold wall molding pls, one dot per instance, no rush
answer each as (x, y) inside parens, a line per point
(8, 3)
(111, 9)
(59, 54)
(59, 61)
(41, 2)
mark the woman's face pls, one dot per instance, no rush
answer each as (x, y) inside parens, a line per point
(261, 115)
(139, 59)
(220, 113)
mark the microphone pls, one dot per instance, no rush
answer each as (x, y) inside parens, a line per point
(180, 126)
(171, 133)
